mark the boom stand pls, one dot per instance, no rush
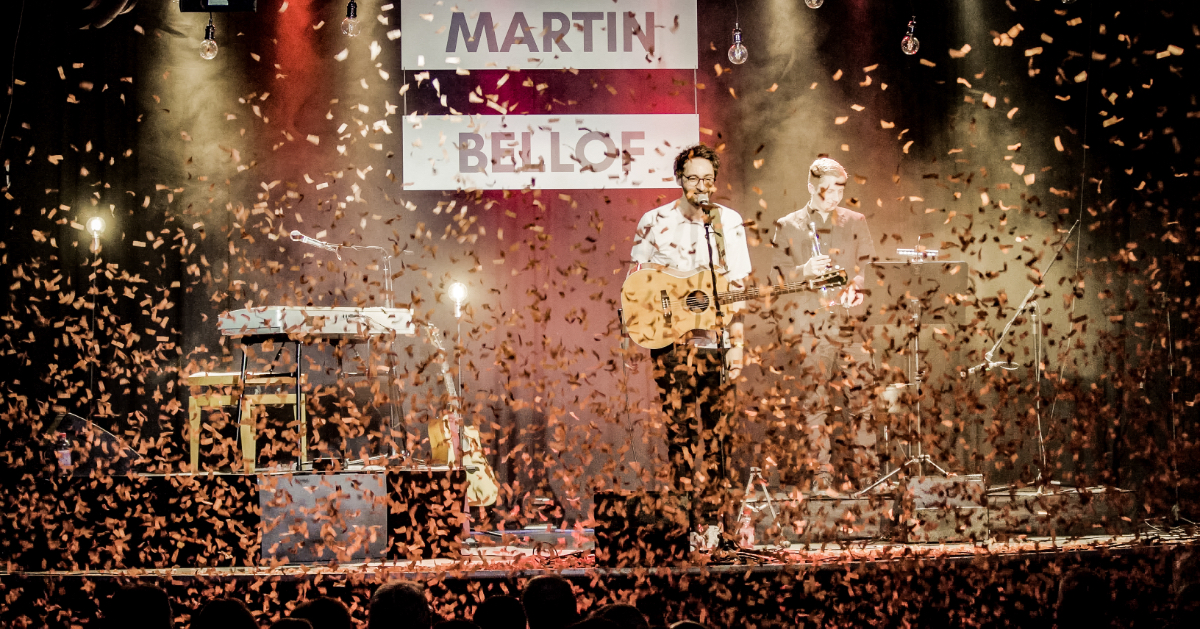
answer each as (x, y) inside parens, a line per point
(1037, 356)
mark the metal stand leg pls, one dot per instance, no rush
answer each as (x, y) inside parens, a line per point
(297, 411)
(755, 483)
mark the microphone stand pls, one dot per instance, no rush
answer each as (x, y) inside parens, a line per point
(389, 301)
(723, 344)
(1028, 302)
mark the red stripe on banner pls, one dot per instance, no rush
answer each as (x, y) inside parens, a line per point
(550, 92)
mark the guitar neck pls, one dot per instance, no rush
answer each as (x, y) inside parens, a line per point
(447, 377)
(448, 381)
(762, 292)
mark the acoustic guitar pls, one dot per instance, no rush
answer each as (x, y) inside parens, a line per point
(660, 305)
(453, 443)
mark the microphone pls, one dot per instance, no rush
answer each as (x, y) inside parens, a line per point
(701, 200)
(298, 237)
(986, 365)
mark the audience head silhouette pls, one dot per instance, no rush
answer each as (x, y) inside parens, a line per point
(140, 607)
(625, 616)
(291, 623)
(500, 612)
(224, 613)
(549, 602)
(456, 624)
(1084, 599)
(325, 613)
(593, 622)
(399, 604)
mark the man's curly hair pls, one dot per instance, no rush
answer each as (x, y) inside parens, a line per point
(700, 151)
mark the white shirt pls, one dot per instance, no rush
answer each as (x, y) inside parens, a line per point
(665, 237)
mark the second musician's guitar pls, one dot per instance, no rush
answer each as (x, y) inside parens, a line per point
(660, 305)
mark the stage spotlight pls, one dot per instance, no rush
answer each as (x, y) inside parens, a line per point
(350, 26)
(208, 47)
(910, 44)
(95, 227)
(458, 294)
(737, 52)
(814, 4)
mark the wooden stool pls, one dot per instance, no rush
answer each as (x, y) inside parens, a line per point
(227, 385)
(211, 390)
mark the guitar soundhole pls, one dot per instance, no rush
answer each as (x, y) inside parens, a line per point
(697, 301)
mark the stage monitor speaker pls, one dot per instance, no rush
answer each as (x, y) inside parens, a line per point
(943, 509)
(323, 517)
(641, 528)
(94, 448)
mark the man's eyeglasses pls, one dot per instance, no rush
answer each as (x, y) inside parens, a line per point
(695, 179)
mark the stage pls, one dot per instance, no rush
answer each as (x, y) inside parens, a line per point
(851, 583)
(345, 533)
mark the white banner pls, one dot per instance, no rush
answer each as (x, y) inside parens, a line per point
(549, 152)
(548, 34)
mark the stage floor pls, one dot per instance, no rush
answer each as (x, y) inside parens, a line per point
(493, 558)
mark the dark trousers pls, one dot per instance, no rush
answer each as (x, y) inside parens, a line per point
(697, 409)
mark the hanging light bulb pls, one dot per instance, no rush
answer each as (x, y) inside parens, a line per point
(350, 26)
(737, 52)
(814, 4)
(910, 44)
(458, 294)
(208, 47)
(95, 227)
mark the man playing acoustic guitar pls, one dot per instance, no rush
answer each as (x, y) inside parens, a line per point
(696, 400)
